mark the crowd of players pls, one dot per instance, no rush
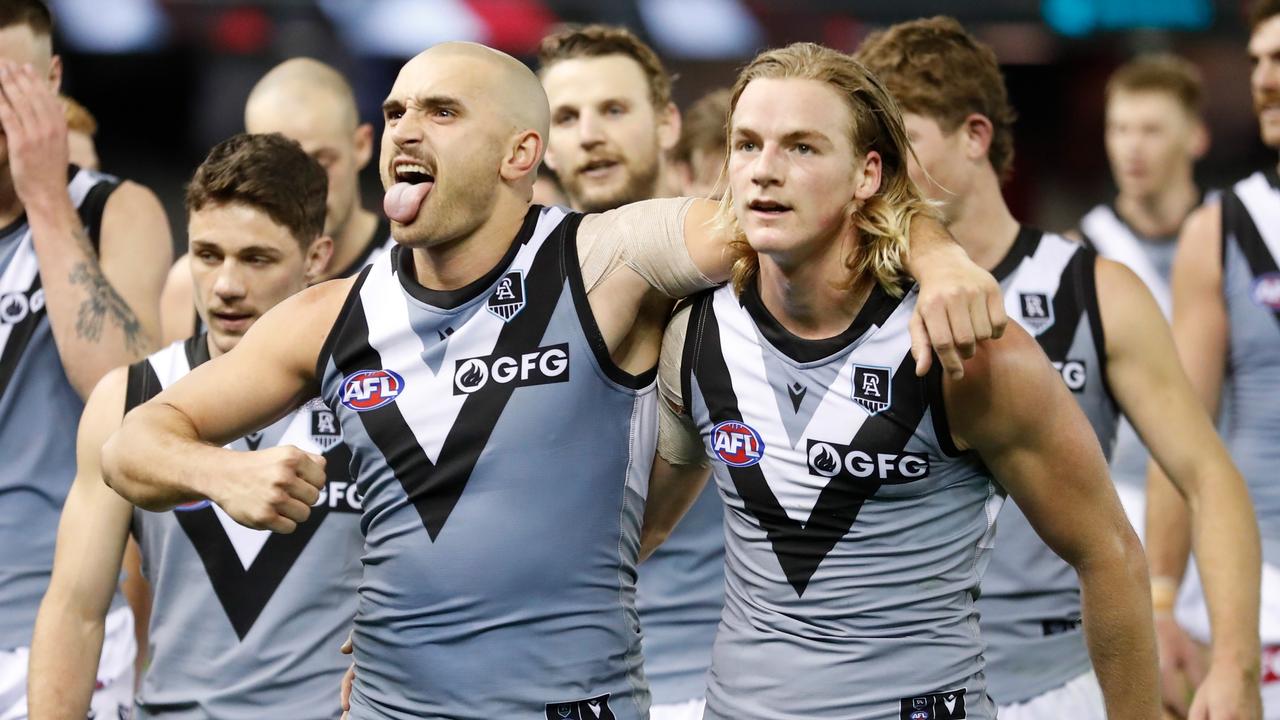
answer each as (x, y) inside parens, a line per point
(455, 454)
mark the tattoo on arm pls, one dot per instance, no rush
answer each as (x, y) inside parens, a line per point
(104, 302)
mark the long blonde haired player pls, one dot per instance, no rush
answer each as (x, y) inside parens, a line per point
(860, 498)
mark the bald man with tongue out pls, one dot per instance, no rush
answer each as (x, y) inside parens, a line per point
(494, 379)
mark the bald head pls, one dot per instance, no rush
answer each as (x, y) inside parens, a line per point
(302, 84)
(515, 89)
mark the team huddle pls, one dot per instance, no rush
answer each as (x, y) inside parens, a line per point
(475, 446)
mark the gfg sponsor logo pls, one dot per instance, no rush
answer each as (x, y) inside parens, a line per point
(1266, 291)
(1074, 373)
(828, 460)
(542, 366)
(16, 306)
(366, 390)
(737, 443)
(339, 496)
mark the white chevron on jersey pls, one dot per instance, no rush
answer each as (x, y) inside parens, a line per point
(1115, 241)
(798, 494)
(1259, 199)
(1054, 251)
(427, 400)
(171, 365)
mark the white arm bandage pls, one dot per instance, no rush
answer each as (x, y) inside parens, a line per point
(647, 237)
(679, 441)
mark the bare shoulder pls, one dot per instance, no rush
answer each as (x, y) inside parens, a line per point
(136, 229)
(1202, 232)
(132, 202)
(1000, 387)
(1117, 283)
(104, 408)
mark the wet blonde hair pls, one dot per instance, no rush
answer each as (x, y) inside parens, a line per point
(882, 221)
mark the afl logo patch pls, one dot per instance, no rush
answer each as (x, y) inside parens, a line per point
(192, 506)
(365, 390)
(1265, 291)
(507, 299)
(737, 444)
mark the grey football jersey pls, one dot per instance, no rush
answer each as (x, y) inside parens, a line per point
(1151, 259)
(855, 532)
(503, 459)
(1030, 600)
(246, 624)
(1251, 285)
(39, 413)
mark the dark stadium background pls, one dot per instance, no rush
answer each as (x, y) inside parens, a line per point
(167, 79)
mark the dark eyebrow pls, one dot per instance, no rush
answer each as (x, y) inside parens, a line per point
(425, 102)
(806, 136)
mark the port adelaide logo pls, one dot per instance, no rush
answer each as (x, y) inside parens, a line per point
(507, 299)
(737, 443)
(366, 390)
(871, 388)
(1037, 311)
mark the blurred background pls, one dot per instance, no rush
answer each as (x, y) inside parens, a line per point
(167, 79)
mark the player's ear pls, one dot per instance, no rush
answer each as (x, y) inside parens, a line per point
(978, 134)
(669, 126)
(524, 156)
(869, 182)
(363, 142)
(55, 74)
(319, 253)
(1199, 139)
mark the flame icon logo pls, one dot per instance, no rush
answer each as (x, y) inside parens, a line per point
(13, 308)
(824, 460)
(471, 376)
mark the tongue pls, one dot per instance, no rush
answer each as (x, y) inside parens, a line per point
(403, 200)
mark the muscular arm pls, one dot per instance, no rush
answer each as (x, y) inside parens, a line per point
(104, 310)
(1200, 334)
(177, 303)
(86, 566)
(168, 450)
(1154, 393)
(1018, 415)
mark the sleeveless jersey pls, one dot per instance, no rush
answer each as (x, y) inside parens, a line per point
(503, 460)
(1152, 261)
(679, 594)
(855, 532)
(1251, 289)
(1030, 600)
(246, 623)
(39, 414)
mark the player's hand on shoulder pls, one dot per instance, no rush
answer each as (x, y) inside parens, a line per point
(272, 489)
(959, 306)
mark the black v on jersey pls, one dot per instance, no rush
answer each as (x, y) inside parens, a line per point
(855, 531)
(245, 620)
(502, 459)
